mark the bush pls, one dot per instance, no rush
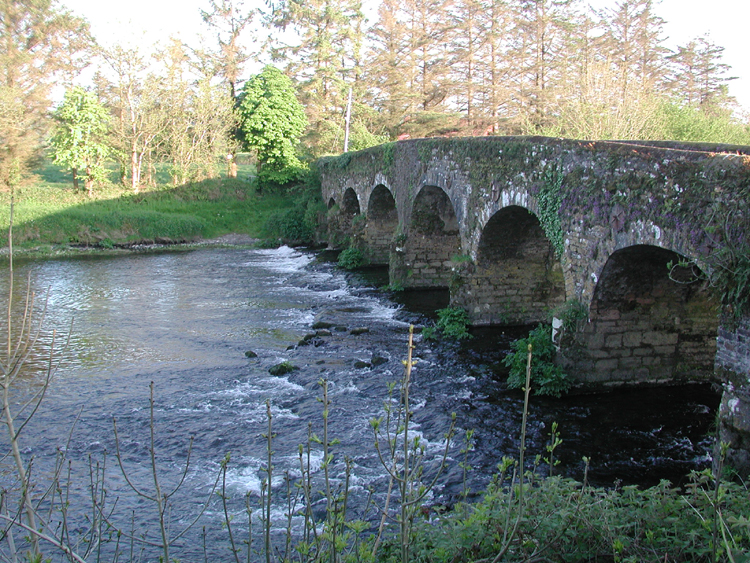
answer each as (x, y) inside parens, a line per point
(300, 224)
(351, 258)
(562, 520)
(453, 323)
(546, 377)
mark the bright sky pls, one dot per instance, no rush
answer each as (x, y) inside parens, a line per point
(726, 22)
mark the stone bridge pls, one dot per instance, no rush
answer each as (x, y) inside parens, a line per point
(622, 241)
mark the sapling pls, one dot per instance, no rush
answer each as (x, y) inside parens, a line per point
(158, 497)
(404, 458)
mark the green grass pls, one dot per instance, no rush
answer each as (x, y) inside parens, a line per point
(49, 212)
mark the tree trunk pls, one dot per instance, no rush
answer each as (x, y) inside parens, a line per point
(75, 178)
(134, 170)
(89, 182)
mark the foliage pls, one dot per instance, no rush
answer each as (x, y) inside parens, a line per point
(688, 123)
(270, 179)
(272, 119)
(452, 323)
(546, 377)
(301, 222)
(572, 313)
(42, 46)
(79, 141)
(351, 258)
(565, 521)
(549, 200)
(196, 117)
(734, 282)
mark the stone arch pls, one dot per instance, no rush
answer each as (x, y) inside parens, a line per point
(382, 223)
(518, 278)
(648, 323)
(433, 240)
(350, 204)
(341, 221)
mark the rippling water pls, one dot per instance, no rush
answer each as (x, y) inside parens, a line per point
(184, 322)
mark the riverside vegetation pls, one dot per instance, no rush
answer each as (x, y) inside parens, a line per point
(527, 513)
(51, 217)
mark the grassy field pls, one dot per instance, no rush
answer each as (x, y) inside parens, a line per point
(50, 215)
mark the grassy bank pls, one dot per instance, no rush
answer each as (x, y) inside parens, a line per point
(50, 214)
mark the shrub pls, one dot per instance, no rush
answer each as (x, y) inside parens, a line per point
(351, 258)
(546, 377)
(299, 224)
(453, 323)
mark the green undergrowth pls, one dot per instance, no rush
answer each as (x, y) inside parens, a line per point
(49, 212)
(562, 520)
(452, 323)
(547, 378)
(351, 258)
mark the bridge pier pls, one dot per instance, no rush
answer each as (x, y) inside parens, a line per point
(733, 368)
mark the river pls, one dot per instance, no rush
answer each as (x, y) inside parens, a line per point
(184, 321)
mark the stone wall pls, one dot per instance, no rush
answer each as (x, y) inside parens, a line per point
(647, 322)
(733, 366)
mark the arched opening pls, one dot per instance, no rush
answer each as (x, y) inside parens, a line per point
(518, 277)
(351, 203)
(382, 222)
(433, 240)
(650, 321)
(341, 220)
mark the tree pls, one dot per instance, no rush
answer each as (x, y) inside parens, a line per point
(40, 46)
(698, 73)
(324, 59)
(634, 47)
(79, 140)
(228, 19)
(198, 117)
(135, 101)
(541, 53)
(273, 121)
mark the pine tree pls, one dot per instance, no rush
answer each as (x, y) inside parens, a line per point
(325, 60)
(698, 75)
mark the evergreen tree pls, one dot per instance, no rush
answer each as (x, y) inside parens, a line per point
(634, 47)
(540, 51)
(324, 60)
(698, 75)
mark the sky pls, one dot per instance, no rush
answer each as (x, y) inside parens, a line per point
(725, 22)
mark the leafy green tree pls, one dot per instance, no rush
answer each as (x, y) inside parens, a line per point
(42, 46)
(79, 139)
(273, 121)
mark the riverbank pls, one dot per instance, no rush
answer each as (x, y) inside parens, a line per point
(47, 251)
(51, 219)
